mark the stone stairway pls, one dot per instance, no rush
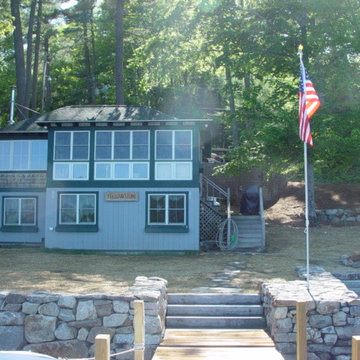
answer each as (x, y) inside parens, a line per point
(250, 233)
(214, 311)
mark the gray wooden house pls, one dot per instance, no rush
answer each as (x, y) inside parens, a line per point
(121, 178)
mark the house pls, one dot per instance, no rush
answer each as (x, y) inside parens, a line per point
(117, 178)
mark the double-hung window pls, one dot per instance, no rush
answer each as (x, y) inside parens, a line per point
(167, 211)
(23, 155)
(173, 154)
(122, 155)
(77, 211)
(19, 213)
(71, 155)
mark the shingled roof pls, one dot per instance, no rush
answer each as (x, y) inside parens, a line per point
(23, 126)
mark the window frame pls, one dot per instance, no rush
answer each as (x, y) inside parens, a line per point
(131, 146)
(131, 170)
(71, 159)
(173, 145)
(71, 171)
(29, 157)
(167, 227)
(20, 227)
(78, 227)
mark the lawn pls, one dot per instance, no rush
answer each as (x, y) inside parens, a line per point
(90, 272)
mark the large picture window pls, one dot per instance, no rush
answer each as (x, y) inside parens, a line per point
(19, 212)
(22, 155)
(77, 209)
(166, 209)
(173, 150)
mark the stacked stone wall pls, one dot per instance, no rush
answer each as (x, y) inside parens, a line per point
(339, 216)
(333, 316)
(65, 325)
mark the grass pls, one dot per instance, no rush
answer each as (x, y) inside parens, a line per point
(90, 272)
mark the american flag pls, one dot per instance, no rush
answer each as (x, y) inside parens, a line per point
(309, 102)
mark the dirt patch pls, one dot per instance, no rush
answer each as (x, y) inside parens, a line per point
(289, 210)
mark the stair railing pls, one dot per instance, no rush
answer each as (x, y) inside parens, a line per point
(262, 216)
(213, 190)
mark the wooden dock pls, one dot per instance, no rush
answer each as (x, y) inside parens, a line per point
(216, 344)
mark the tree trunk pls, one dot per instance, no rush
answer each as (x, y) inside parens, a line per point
(46, 86)
(235, 132)
(119, 52)
(29, 58)
(93, 59)
(87, 64)
(36, 57)
(19, 55)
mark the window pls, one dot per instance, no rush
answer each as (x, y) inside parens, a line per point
(20, 155)
(122, 145)
(167, 210)
(77, 212)
(173, 152)
(126, 146)
(70, 148)
(19, 213)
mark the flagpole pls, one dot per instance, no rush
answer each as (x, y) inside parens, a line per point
(306, 191)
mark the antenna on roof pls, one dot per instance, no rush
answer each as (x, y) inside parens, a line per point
(12, 105)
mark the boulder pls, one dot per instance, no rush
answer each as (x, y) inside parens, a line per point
(50, 309)
(114, 320)
(30, 308)
(15, 298)
(12, 337)
(67, 301)
(99, 330)
(86, 310)
(65, 332)
(63, 349)
(39, 328)
(121, 307)
(11, 318)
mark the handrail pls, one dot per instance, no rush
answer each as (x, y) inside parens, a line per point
(261, 213)
(216, 187)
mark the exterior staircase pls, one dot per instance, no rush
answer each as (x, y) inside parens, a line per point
(250, 231)
(214, 311)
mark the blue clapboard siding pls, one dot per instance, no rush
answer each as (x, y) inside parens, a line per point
(25, 237)
(122, 224)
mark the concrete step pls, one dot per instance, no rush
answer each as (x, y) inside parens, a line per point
(214, 310)
(213, 322)
(213, 299)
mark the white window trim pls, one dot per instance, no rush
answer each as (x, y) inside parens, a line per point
(11, 156)
(167, 209)
(173, 146)
(19, 212)
(131, 170)
(77, 209)
(131, 144)
(71, 145)
(71, 170)
(173, 165)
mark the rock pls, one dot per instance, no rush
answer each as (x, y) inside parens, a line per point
(103, 307)
(66, 315)
(86, 310)
(30, 308)
(153, 324)
(330, 339)
(82, 334)
(65, 332)
(39, 328)
(50, 309)
(282, 325)
(99, 330)
(12, 337)
(125, 330)
(67, 301)
(85, 323)
(286, 348)
(314, 335)
(15, 299)
(346, 332)
(350, 219)
(358, 218)
(328, 307)
(355, 310)
(124, 339)
(339, 319)
(328, 330)
(114, 320)
(285, 337)
(153, 339)
(63, 349)
(41, 298)
(12, 307)
(334, 220)
(341, 350)
(320, 321)
(332, 212)
(280, 312)
(11, 318)
(122, 307)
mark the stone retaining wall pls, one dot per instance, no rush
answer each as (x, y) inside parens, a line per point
(339, 216)
(333, 316)
(64, 325)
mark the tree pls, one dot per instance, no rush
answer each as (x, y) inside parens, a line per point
(119, 52)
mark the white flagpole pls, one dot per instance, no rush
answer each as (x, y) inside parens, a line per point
(306, 190)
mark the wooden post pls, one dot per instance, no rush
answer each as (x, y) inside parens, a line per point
(102, 347)
(301, 344)
(139, 330)
(355, 348)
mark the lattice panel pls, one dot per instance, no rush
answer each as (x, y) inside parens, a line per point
(210, 221)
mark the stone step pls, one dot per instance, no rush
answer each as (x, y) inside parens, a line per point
(214, 310)
(213, 322)
(214, 299)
